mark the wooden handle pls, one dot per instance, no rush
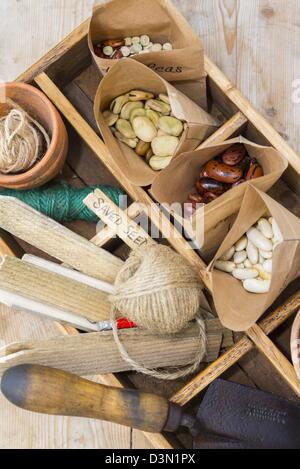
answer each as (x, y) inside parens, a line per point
(55, 392)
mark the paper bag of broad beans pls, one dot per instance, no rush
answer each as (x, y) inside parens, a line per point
(155, 34)
(257, 260)
(212, 182)
(145, 122)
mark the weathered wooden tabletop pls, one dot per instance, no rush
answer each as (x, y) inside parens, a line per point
(256, 43)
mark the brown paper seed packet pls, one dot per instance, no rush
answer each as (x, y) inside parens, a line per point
(162, 22)
(237, 309)
(128, 75)
(184, 171)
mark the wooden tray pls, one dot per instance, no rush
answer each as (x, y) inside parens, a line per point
(68, 78)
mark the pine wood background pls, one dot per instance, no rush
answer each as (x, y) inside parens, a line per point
(256, 43)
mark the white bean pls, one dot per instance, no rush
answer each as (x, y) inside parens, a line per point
(257, 286)
(135, 40)
(157, 47)
(266, 254)
(265, 228)
(277, 233)
(241, 244)
(268, 265)
(228, 254)
(261, 259)
(239, 257)
(145, 40)
(240, 266)
(262, 273)
(125, 51)
(243, 274)
(225, 266)
(108, 50)
(248, 264)
(252, 253)
(259, 240)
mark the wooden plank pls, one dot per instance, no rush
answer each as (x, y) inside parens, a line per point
(273, 354)
(266, 74)
(233, 125)
(97, 353)
(75, 39)
(215, 21)
(55, 290)
(240, 349)
(44, 233)
(9, 246)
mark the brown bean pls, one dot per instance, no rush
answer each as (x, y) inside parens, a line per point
(209, 197)
(117, 55)
(205, 184)
(255, 171)
(203, 173)
(241, 181)
(99, 52)
(244, 165)
(222, 172)
(142, 148)
(234, 155)
(195, 199)
(115, 43)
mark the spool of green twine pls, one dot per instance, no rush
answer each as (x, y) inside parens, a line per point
(62, 202)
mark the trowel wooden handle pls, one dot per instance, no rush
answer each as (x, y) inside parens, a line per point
(50, 391)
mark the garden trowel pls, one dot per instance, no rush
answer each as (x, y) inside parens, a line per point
(230, 415)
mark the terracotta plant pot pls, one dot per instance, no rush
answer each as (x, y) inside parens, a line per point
(295, 344)
(42, 110)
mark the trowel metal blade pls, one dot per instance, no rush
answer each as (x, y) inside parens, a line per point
(235, 416)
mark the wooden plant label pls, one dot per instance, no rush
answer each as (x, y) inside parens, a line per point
(118, 220)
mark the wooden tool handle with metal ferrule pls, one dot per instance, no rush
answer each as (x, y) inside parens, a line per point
(55, 392)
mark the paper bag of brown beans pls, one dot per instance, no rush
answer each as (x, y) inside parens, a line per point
(155, 34)
(145, 122)
(257, 260)
(208, 176)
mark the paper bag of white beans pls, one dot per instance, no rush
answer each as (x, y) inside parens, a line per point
(145, 122)
(155, 34)
(257, 260)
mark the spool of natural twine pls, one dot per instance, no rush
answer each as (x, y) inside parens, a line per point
(21, 141)
(159, 291)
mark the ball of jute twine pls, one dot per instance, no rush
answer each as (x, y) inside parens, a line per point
(159, 291)
(21, 140)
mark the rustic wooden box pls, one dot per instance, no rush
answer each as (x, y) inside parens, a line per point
(67, 76)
